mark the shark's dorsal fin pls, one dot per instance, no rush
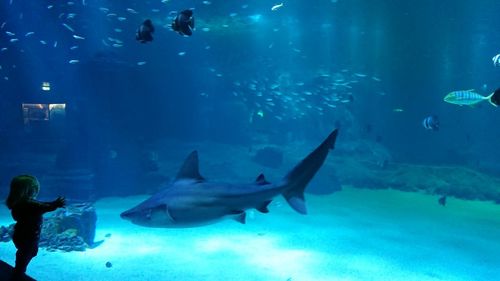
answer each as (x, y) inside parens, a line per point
(189, 169)
(261, 180)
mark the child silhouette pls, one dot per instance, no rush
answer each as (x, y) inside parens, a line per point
(27, 212)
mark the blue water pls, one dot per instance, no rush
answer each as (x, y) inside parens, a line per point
(248, 77)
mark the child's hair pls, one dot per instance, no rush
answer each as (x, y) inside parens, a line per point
(23, 187)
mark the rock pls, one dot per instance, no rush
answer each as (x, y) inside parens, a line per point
(455, 181)
(269, 157)
(108, 264)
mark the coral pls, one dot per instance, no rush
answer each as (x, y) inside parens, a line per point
(70, 229)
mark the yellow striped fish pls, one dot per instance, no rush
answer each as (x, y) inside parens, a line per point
(467, 97)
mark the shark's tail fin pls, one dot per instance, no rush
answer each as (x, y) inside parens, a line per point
(494, 98)
(296, 180)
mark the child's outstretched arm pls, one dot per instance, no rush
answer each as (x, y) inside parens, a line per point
(44, 207)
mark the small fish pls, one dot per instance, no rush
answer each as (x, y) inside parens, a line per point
(113, 40)
(78, 37)
(13, 40)
(3, 49)
(398, 110)
(141, 63)
(132, 11)
(442, 200)
(145, 32)
(68, 27)
(467, 97)
(360, 75)
(43, 42)
(104, 10)
(431, 123)
(121, 18)
(70, 16)
(29, 34)
(206, 2)
(206, 29)
(496, 60)
(117, 45)
(74, 61)
(73, 47)
(277, 6)
(10, 33)
(118, 30)
(181, 53)
(183, 23)
(50, 7)
(55, 44)
(3, 25)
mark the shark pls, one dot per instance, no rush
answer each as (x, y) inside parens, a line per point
(190, 200)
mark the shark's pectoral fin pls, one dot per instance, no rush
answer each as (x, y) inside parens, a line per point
(298, 204)
(164, 208)
(169, 215)
(240, 216)
(263, 208)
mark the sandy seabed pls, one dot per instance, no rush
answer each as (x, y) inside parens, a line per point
(354, 234)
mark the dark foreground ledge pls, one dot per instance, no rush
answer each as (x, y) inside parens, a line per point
(6, 273)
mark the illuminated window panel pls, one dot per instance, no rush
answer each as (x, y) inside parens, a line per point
(57, 110)
(42, 111)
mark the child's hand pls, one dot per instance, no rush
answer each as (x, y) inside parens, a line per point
(60, 202)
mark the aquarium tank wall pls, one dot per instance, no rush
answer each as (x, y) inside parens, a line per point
(249, 140)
